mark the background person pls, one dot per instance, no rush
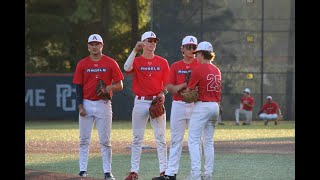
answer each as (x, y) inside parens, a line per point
(270, 111)
(246, 106)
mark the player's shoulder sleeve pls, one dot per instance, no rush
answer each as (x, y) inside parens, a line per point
(166, 72)
(78, 74)
(195, 77)
(264, 106)
(173, 71)
(115, 69)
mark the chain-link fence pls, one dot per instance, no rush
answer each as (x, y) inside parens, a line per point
(254, 42)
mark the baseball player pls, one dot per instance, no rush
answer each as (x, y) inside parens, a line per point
(93, 109)
(150, 76)
(270, 111)
(207, 77)
(180, 110)
(246, 106)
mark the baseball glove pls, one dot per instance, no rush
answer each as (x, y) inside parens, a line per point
(190, 96)
(156, 108)
(101, 90)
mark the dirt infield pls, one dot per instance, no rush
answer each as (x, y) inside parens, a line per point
(45, 175)
(270, 147)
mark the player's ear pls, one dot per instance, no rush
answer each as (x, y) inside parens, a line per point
(182, 50)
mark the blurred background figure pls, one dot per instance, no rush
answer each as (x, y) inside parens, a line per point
(246, 106)
(270, 111)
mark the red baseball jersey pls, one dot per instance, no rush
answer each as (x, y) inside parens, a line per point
(178, 73)
(88, 72)
(208, 79)
(270, 108)
(248, 100)
(149, 75)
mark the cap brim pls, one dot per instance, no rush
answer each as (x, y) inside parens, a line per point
(190, 43)
(152, 38)
(95, 41)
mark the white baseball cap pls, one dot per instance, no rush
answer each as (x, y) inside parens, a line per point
(149, 34)
(269, 97)
(189, 40)
(95, 38)
(204, 46)
(247, 90)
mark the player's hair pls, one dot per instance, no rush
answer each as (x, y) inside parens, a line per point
(208, 55)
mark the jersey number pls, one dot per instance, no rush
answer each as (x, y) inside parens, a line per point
(214, 83)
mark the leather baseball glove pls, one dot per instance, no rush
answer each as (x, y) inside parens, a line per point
(156, 108)
(101, 90)
(190, 96)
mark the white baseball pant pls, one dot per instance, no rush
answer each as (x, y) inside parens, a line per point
(202, 121)
(265, 116)
(247, 114)
(99, 112)
(179, 120)
(140, 116)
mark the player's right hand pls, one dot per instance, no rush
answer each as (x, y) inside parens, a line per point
(139, 46)
(82, 112)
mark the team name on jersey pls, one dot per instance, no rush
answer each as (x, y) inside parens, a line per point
(95, 70)
(184, 71)
(150, 68)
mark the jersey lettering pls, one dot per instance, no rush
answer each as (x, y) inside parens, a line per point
(150, 68)
(184, 71)
(95, 70)
(214, 83)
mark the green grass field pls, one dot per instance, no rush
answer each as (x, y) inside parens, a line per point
(228, 165)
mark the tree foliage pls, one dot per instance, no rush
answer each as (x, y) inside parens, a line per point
(56, 31)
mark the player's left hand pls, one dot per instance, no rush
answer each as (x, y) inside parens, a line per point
(161, 97)
(109, 88)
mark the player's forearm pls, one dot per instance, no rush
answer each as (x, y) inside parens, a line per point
(175, 89)
(79, 94)
(250, 105)
(118, 86)
(170, 88)
(128, 64)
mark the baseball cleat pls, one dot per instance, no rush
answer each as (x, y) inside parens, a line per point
(132, 176)
(165, 177)
(108, 176)
(83, 174)
(266, 122)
